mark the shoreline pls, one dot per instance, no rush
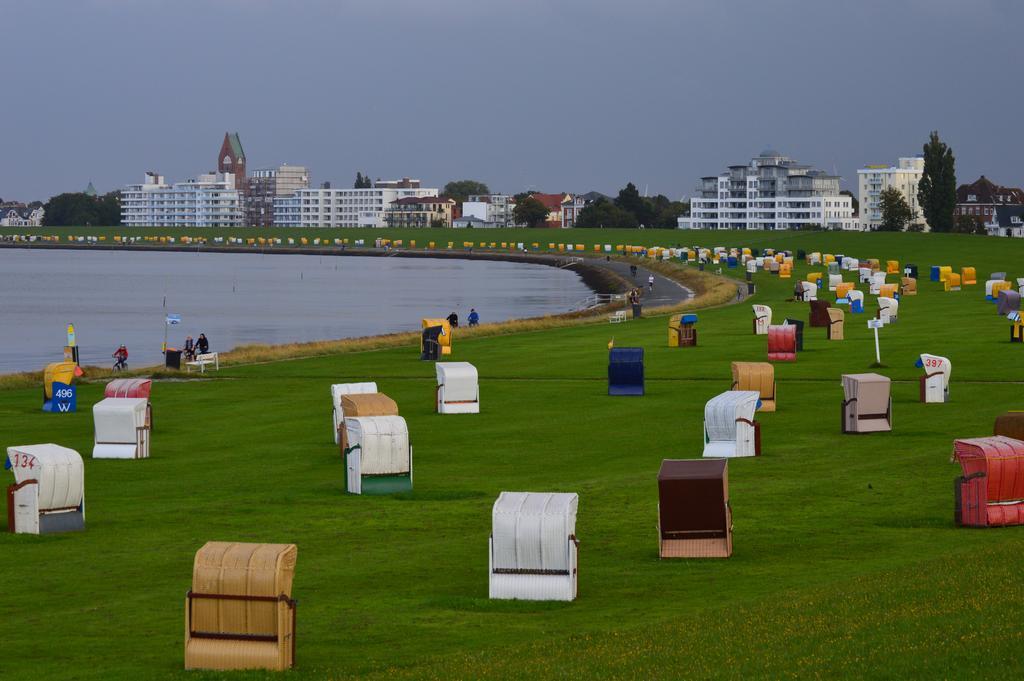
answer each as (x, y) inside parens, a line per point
(700, 290)
(601, 280)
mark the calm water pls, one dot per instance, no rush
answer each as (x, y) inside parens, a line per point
(236, 299)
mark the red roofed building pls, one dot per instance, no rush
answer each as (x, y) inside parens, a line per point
(980, 198)
(553, 202)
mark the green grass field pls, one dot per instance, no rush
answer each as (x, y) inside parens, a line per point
(846, 561)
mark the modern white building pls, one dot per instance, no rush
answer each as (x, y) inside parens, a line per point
(326, 207)
(209, 200)
(771, 192)
(872, 180)
(498, 210)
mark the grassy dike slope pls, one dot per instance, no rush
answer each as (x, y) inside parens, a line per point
(846, 559)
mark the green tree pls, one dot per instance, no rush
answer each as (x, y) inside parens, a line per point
(78, 209)
(936, 192)
(461, 190)
(604, 213)
(665, 212)
(969, 224)
(629, 200)
(362, 182)
(530, 212)
(895, 211)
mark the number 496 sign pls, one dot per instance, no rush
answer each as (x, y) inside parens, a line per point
(64, 398)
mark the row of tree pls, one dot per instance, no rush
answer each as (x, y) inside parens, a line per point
(73, 209)
(629, 209)
(936, 194)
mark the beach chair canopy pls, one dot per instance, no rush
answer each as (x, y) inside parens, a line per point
(997, 275)
(129, 387)
(867, 403)
(756, 376)
(762, 319)
(626, 371)
(1010, 424)
(118, 419)
(782, 342)
(1009, 301)
(819, 313)
(729, 424)
(368, 404)
(693, 498)
(339, 389)
(531, 532)
(460, 381)
(937, 366)
(888, 309)
(59, 372)
(991, 491)
(58, 472)
(834, 280)
(239, 612)
(383, 443)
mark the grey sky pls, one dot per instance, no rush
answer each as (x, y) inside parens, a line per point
(555, 96)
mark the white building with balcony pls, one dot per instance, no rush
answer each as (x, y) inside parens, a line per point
(771, 192)
(326, 207)
(209, 200)
(497, 210)
(872, 180)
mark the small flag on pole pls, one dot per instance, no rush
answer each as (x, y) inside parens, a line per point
(173, 319)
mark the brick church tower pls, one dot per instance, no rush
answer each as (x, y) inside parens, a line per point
(232, 160)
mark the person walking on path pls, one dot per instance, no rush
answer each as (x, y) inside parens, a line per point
(474, 317)
(453, 320)
(632, 271)
(650, 282)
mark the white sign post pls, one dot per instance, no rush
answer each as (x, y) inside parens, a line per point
(876, 324)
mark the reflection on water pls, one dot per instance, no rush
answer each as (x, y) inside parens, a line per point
(237, 299)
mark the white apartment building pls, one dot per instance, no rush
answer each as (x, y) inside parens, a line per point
(495, 209)
(872, 180)
(209, 200)
(771, 192)
(326, 207)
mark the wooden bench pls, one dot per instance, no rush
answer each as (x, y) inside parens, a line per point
(201, 361)
(617, 317)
